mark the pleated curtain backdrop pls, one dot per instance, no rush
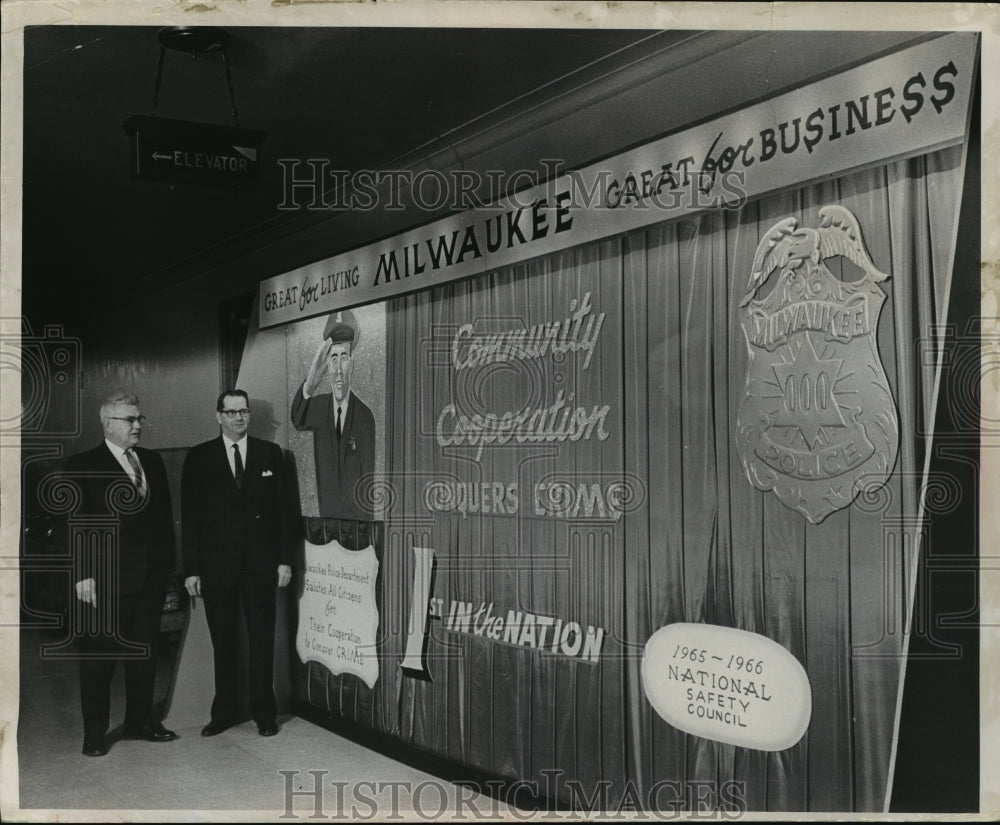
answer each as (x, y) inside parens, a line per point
(702, 544)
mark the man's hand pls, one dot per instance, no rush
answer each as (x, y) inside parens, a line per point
(86, 591)
(317, 369)
(193, 585)
(284, 575)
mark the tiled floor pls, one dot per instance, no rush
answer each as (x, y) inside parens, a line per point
(236, 771)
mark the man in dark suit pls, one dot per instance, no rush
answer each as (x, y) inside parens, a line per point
(342, 424)
(237, 529)
(123, 487)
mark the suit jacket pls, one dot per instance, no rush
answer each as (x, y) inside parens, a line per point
(226, 530)
(340, 464)
(144, 527)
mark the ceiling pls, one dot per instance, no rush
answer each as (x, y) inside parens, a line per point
(94, 238)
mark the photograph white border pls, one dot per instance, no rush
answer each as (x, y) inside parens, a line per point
(985, 18)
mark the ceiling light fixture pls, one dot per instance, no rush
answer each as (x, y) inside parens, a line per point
(202, 154)
(195, 40)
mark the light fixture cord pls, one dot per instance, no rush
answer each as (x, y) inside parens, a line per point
(159, 79)
(232, 89)
(229, 81)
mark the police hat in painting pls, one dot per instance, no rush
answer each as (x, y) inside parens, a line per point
(342, 328)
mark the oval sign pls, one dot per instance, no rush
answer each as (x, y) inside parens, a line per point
(729, 685)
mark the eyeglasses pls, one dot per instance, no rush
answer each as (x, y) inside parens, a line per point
(234, 413)
(132, 419)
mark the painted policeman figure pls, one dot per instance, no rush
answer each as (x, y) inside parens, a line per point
(343, 426)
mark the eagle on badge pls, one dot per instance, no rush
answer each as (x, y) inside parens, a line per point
(817, 421)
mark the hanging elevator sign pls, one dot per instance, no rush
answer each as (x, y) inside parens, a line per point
(197, 154)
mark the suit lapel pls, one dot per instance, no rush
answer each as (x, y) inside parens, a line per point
(111, 463)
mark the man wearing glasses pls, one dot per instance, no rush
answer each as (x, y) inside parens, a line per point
(237, 533)
(121, 597)
(343, 426)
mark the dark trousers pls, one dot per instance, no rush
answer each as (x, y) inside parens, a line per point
(258, 597)
(112, 638)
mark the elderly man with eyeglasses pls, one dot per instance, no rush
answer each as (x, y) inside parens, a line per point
(237, 531)
(121, 584)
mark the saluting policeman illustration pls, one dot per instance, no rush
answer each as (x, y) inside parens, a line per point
(342, 424)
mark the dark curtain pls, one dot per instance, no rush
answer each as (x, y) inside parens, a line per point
(702, 545)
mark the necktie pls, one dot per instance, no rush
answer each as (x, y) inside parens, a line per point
(338, 424)
(239, 466)
(137, 475)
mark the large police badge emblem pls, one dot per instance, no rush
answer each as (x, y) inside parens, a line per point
(817, 422)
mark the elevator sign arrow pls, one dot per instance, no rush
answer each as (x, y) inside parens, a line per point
(196, 154)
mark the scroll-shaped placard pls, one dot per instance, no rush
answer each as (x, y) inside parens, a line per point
(729, 685)
(338, 614)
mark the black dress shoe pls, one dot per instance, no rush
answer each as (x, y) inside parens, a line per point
(94, 745)
(215, 727)
(154, 732)
(268, 728)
